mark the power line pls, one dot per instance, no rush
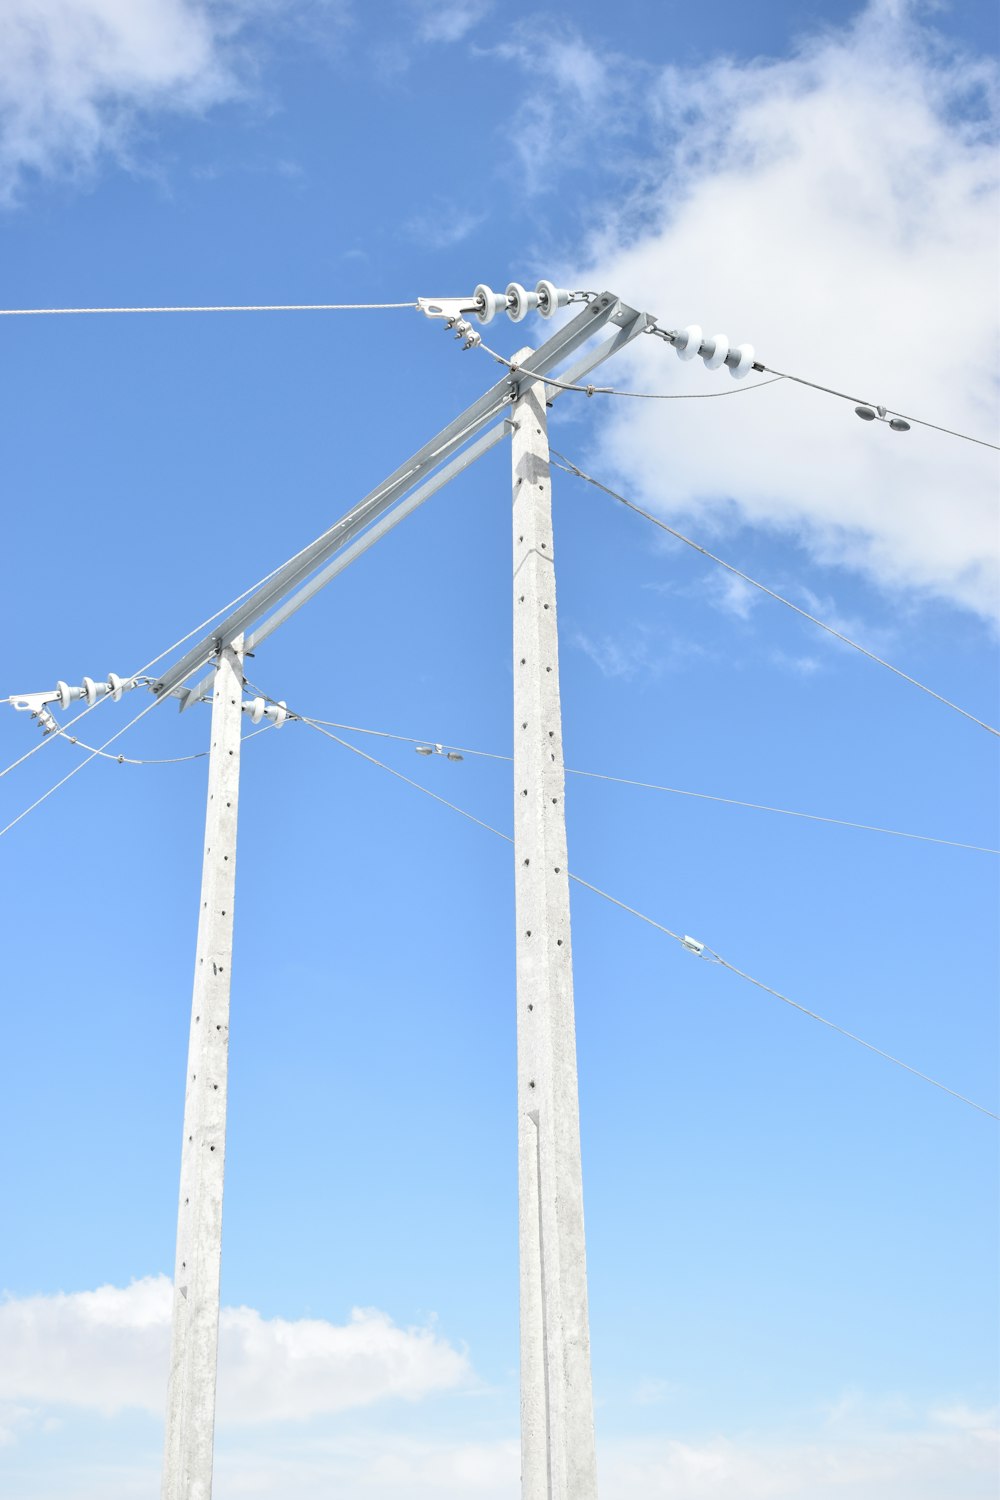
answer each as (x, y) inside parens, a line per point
(168, 760)
(569, 467)
(607, 390)
(197, 630)
(77, 768)
(776, 375)
(681, 340)
(829, 391)
(688, 944)
(34, 312)
(924, 838)
(651, 786)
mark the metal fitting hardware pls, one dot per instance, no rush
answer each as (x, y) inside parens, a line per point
(881, 414)
(64, 694)
(438, 750)
(516, 302)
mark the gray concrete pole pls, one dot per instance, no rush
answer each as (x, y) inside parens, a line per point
(190, 1426)
(557, 1406)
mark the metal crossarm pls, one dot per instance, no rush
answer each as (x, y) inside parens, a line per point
(432, 466)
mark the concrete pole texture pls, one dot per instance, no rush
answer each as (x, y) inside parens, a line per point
(190, 1426)
(557, 1408)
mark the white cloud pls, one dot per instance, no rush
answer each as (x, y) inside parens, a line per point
(838, 209)
(78, 77)
(107, 1351)
(73, 72)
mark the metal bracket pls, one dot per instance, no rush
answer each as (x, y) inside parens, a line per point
(32, 702)
(447, 307)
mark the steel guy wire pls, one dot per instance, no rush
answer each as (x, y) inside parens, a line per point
(652, 786)
(569, 467)
(712, 955)
(32, 312)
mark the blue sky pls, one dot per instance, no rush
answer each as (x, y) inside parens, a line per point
(792, 1244)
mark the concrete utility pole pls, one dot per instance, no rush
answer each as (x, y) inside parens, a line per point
(557, 1407)
(187, 1465)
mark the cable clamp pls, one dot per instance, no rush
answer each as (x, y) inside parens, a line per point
(693, 945)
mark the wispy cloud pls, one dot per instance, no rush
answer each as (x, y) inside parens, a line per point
(448, 20)
(443, 225)
(798, 666)
(576, 95)
(81, 79)
(635, 653)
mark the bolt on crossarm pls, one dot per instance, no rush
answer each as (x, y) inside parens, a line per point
(190, 1426)
(557, 1410)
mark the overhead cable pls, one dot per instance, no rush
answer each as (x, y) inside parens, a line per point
(651, 786)
(685, 942)
(168, 760)
(608, 390)
(167, 651)
(716, 351)
(843, 396)
(569, 467)
(77, 768)
(35, 312)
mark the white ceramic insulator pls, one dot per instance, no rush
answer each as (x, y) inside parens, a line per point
(257, 710)
(116, 685)
(743, 364)
(520, 302)
(688, 341)
(550, 298)
(490, 303)
(92, 690)
(67, 694)
(715, 351)
(279, 713)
